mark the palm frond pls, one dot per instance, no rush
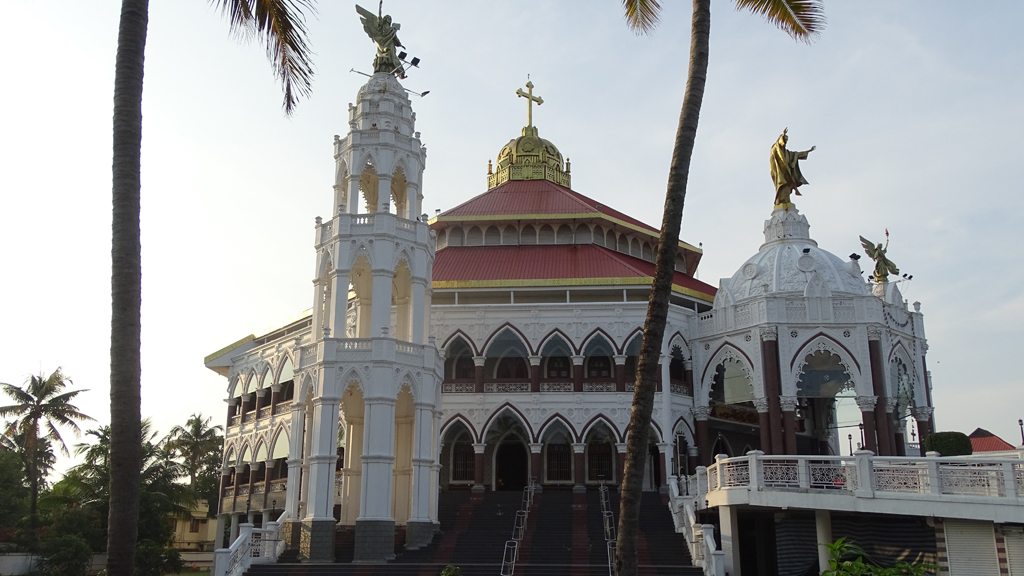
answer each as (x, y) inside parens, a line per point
(802, 19)
(279, 25)
(642, 16)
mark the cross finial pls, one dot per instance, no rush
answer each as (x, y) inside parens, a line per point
(530, 99)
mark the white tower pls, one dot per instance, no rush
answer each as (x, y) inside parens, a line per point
(375, 374)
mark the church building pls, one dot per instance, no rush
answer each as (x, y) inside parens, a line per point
(494, 345)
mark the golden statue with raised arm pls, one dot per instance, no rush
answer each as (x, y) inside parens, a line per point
(385, 35)
(786, 170)
(883, 266)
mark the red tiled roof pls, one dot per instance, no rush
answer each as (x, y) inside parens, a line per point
(984, 441)
(549, 265)
(533, 198)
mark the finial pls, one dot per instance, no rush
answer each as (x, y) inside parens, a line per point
(489, 168)
(568, 166)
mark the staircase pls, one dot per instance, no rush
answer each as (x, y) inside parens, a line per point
(564, 537)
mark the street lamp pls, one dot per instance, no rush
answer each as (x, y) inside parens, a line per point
(1021, 424)
(850, 438)
(861, 426)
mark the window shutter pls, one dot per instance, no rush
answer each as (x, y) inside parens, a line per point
(1014, 538)
(971, 548)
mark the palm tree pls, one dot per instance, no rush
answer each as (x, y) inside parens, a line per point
(41, 406)
(279, 26)
(193, 443)
(801, 19)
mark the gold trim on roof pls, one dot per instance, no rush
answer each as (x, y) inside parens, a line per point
(560, 282)
(228, 348)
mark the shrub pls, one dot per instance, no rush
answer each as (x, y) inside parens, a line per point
(949, 444)
(152, 559)
(65, 555)
(451, 570)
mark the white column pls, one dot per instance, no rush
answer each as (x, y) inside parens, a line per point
(307, 445)
(419, 303)
(352, 202)
(422, 460)
(380, 313)
(730, 539)
(383, 193)
(233, 535)
(322, 458)
(378, 457)
(823, 525)
(353, 470)
(435, 468)
(291, 495)
(318, 319)
(339, 303)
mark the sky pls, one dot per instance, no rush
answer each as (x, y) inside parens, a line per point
(916, 109)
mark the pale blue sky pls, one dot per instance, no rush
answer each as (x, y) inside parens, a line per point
(916, 107)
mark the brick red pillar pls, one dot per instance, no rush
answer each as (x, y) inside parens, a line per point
(536, 466)
(885, 442)
(478, 373)
(534, 373)
(764, 425)
(579, 468)
(577, 373)
(688, 375)
(478, 467)
(789, 404)
(773, 388)
(867, 405)
(620, 373)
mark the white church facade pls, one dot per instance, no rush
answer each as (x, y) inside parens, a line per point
(494, 345)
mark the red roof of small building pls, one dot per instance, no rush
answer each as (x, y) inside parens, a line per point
(550, 265)
(984, 441)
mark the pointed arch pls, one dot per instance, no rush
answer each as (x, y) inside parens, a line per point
(594, 338)
(822, 341)
(683, 425)
(627, 343)
(554, 335)
(245, 454)
(725, 351)
(455, 419)
(349, 377)
(474, 236)
(677, 339)
(230, 456)
(597, 420)
(551, 421)
(260, 454)
(360, 251)
(507, 327)
(460, 334)
(514, 412)
(252, 382)
(279, 435)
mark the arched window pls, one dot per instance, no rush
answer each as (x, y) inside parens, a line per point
(510, 367)
(632, 357)
(599, 367)
(507, 357)
(558, 367)
(458, 362)
(555, 353)
(558, 459)
(731, 384)
(599, 461)
(676, 368)
(462, 459)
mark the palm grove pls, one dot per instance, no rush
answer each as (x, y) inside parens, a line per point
(65, 520)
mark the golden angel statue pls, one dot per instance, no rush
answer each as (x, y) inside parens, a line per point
(384, 34)
(883, 266)
(786, 174)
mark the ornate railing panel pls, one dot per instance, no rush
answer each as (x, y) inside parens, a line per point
(458, 387)
(556, 386)
(900, 477)
(599, 386)
(781, 473)
(508, 387)
(971, 479)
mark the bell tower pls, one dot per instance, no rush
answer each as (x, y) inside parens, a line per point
(372, 450)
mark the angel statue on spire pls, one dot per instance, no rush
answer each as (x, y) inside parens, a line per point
(384, 34)
(883, 266)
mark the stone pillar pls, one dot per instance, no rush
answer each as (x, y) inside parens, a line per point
(260, 402)
(238, 484)
(233, 534)
(352, 198)
(319, 521)
(692, 459)
(867, 412)
(923, 415)
(620, 462)
(420, 528)
(275, 397)
(577, 373)
(383, 193)
(772, 387)
(225, 481)
(232, 409)
(267, 477)
(823, 528)
(665, 461)
(764, 426)
(700, 417)
(534, 374)
(478, 467)
(620, 372)
(536, 466)
(419, 305)
(218, 536)
(380, 315)
(579, 468)
(892, 423)
(478, 373)
(730, 539)
(882, 420)
(375, 528)
(788, 405)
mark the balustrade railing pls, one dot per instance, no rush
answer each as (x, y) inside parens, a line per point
(265, 412)
(279, 485)
(234, 420)
(282, 407)
(253, 546)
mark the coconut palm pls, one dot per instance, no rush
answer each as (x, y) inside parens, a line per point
(193, 443)
(801, 19)
(277, 24)
(41, 407)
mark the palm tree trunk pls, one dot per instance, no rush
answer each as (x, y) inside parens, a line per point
(32, 467)
(126, 292)
(657, 310)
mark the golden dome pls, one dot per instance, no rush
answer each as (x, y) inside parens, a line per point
(529, 157)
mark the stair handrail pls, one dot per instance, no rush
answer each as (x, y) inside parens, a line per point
(235, 559)
(508, 559)
(610, 546)
(520, 526)
(609, 526)
(275, 528)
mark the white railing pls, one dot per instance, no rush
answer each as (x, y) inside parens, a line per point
(253, 546)
(862, 475)
(700, 538)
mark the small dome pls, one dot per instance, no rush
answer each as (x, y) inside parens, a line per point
(790, 261)
(529, 157)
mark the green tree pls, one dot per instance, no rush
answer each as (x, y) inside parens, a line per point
(278, 24)
(41, 407)
(194, 443)
(13, 493)
(801, 19)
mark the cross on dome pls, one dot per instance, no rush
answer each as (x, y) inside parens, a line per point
(530, 99)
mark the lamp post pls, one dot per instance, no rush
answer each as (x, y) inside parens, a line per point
(850, 438)
(1021, 424)
(861, 426)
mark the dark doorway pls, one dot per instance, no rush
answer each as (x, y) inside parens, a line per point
(511, 466)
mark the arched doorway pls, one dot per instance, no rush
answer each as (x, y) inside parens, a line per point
(511, 465)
